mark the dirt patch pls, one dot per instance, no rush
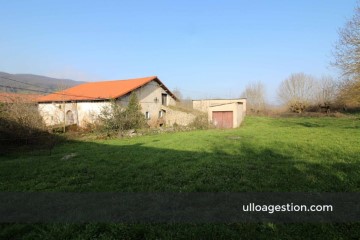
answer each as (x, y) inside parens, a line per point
(234, 137)
(69, 156)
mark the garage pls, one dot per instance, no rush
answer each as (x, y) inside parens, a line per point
(222, 119)
(227, 115)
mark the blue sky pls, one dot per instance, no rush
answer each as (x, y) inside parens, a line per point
(204, 48)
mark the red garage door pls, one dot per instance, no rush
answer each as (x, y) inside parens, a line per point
(223, 119)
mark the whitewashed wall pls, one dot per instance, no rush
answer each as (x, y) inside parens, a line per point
(83, 112)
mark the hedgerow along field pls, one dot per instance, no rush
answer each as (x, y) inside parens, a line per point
(265, 154)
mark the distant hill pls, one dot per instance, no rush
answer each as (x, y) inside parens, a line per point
(35, 83)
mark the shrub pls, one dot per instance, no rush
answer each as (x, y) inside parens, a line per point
(133, 115)
(20, 125)
(115, 117)
(111, 117)
(20, 120)
(200, 122)
(297, 107)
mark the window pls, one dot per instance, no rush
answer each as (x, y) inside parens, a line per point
(147, 115)
(164, 99)
(161, 114)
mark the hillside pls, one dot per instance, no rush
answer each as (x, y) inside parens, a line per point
(33, 83)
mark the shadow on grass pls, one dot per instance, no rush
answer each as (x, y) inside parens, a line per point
(180, 231)
(138, 167)
(89, 166)
(310, 125)
(16, 137)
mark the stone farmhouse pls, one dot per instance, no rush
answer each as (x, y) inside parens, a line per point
(83, 103)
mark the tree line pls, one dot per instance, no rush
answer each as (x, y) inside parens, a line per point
(300, 92)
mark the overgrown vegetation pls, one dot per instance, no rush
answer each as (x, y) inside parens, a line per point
(201, 122)
(118, 118)
(350, 94)
(21, 124)
(265, 154)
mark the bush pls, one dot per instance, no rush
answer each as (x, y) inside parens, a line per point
(133, 116)
(20, 125)
(200, 122)
(117, 118)
(297, 107)
(20, 120)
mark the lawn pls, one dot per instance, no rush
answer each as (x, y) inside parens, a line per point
(264, 154)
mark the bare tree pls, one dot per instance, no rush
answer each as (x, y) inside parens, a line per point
(185, 103)
(347, 59)
(255, 95)
(326, 91)
(347, 48)
(297, 91)
(349, 93)
(178, 94)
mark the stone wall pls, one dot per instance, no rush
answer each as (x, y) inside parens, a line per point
(178, 116)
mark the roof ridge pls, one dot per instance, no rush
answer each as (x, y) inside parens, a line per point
(99, 90)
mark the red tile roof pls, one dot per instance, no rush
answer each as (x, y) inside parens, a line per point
(6, 97)
(101, 90)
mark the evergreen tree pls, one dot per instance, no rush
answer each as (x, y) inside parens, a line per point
(133, 115)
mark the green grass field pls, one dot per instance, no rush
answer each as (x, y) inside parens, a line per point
(265, 154)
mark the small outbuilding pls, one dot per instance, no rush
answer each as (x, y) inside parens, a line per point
(223, 113)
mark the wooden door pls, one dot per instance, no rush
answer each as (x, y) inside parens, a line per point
(223, 119)
(69, 118)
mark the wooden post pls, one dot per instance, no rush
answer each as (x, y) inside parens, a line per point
(64, 118)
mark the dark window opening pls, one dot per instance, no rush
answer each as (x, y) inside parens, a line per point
(161, 113)
(164, 99)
